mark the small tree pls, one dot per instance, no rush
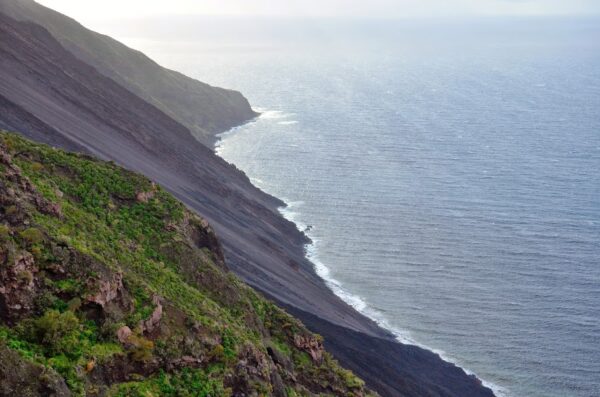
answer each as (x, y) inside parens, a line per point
(58, 333)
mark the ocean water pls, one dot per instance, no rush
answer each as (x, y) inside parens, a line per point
(448, 173)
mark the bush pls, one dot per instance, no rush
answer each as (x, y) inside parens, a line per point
(229, 344)
(217, 353)
(58, 333)
(63, 365)
(290, 392)
(142, 348)
(4, 232)
(37, 167)
(32, 235)
(187, 382)
(350, 380)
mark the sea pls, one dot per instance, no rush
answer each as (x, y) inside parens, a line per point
(447, 172)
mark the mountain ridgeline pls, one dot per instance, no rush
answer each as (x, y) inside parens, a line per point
(203, 109)
(114, 235)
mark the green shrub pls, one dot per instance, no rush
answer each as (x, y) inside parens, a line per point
(32, 236)
(187, 382)
(103, 351)
(16, 342)
(143, 348)
(229, 342)
(290, 392)
(302, 359)
(68, 285)
(350, 380)
(4, 232)
(217, 353)
(25, 277)
(65, 367)
(58, 333)
(37, 167)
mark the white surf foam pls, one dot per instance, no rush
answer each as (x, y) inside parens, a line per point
(269, 114)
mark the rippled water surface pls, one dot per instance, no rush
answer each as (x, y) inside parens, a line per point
(451, 181)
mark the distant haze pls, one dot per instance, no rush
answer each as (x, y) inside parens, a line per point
(90, 10)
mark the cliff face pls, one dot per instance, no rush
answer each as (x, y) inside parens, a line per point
(52, 96)
(203, 109)
(109, 286)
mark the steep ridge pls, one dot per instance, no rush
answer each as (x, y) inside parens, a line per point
(109, 286)
(56, 98)
(203, 109)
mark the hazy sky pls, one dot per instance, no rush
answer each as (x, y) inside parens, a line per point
(89, 10)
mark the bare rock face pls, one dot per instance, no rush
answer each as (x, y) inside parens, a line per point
(18, 287)
(110, 299)
(153, 322)
(144, 197)
(312, 345)
(18, 377)
(186, 362)
(202, 235)
(28, 193)
(278, 386)
(108, 290)
(47, 207)
(120, 369)
(253, 365)
(280, 359)
(123, 334)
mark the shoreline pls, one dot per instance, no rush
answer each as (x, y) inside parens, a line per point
(359, 304)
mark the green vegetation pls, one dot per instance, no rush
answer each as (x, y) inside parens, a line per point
(112, 289)
(188, 382)
(32, 236)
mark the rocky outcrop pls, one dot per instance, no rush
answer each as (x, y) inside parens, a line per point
(280, 359)
(202, 235)
(311, 344)
(107, 290)
(144, 197)
(108, 298)
(120, 295)
(8, 198)
(119, 369)
(123, 334)
(17, 287)
(150, 324)
(18, 377)
(186, 362)
(253, 363)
